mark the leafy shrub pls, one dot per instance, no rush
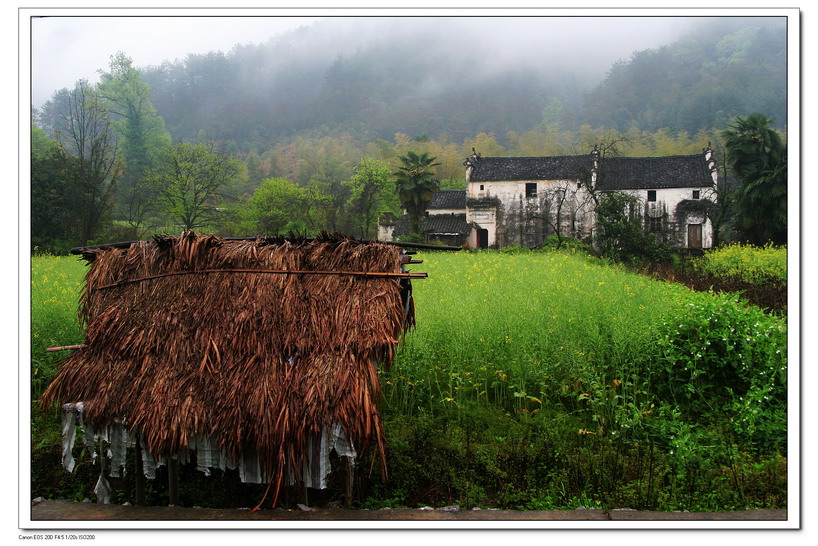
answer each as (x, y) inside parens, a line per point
(411, 238)
(621, 237)
(756, 265)
(566, 243)
(722, 358)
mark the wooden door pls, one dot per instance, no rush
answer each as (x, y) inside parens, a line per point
(694, 236)
(482, 238)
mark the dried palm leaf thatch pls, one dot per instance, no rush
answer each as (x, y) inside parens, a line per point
(258, 362)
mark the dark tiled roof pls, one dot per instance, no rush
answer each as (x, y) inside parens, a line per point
(435, 224)
(448, 199)
(488, 169)
(619, 173)
(632, 173)
(446, 223)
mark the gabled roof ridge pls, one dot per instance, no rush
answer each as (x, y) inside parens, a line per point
(583, 156)
(653, 156)
(532, 156)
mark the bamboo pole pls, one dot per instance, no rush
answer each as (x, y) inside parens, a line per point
(65, 348)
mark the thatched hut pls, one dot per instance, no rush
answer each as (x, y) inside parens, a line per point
(256, 354)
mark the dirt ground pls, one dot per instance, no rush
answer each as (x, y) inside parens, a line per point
(57, 511)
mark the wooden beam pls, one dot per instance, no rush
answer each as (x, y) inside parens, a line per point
(127, 244)
(270, 271)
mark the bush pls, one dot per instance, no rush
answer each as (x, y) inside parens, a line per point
(621, 238)
(729, 361)
(411, 238)
(756, 265)
(566, 243)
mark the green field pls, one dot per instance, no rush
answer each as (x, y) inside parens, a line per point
(539, 380)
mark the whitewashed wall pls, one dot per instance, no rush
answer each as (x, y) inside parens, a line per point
(674, 226)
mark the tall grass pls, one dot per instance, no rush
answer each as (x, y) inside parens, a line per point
(56, 282)
(566, 334)
(560, 381)
(522, 330)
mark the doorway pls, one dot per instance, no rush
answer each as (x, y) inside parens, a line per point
(482, 238)
(694, 236)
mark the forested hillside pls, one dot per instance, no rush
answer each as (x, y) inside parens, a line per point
(419, 80)
(724, 69)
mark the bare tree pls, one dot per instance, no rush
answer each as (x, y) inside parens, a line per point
(190, 180)
(554, 201)
(93, 165)
(723, 195)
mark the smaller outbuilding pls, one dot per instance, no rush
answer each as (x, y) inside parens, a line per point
(445, 220)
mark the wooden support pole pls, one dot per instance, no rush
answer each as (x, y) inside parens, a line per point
(127, 244)
(173, 481)
(349, 470)
(302, 493)
(139, 485)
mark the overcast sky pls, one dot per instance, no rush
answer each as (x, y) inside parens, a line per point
(66, 49)
(77, 43)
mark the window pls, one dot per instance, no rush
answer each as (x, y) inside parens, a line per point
(531, 189)
(655, 225)
(482, 187)
(651, 195)
(696, 194)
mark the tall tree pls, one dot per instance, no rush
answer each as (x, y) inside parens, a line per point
(369, 186)
(92, 162)
(48, 192)
(620, 236)
(141, 132)
(416, 183)
(758, 157)
(330, 194)
(190, 180)
(723, 196)
(276, 206)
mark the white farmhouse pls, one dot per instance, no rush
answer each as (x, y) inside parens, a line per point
(522, 201)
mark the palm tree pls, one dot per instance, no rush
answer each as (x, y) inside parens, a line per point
(416, 183)
(758, 156)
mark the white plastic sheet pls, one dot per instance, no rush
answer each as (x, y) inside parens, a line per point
(69, 433)
(119, 439)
